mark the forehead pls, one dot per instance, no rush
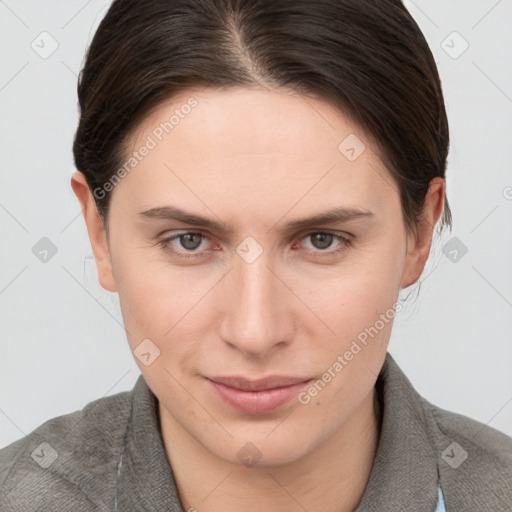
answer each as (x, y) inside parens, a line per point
(253, 144)
(243, 120)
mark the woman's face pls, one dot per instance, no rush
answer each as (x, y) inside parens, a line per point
(252, 292)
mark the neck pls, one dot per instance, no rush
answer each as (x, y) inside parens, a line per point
(330, 478)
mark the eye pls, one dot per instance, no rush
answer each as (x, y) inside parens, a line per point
(322, 240)
(188, 243)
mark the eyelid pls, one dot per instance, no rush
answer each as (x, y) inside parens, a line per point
(345, 238)
(306, 232)
(300, 236)
(166, 241)
(346, 241)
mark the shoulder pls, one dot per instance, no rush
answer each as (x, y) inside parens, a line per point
(68, 461)
(474, 460)
(486, 444)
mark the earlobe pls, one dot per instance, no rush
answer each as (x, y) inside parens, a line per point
(96, 230)
(418, 247)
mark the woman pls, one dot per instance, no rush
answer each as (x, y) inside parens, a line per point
(259, 180)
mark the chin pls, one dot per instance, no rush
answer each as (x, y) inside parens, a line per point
(260, 450)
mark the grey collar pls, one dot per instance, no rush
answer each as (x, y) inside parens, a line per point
(404, 473)
(407, 469)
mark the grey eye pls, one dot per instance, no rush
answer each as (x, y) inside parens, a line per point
(321, 240)
(190, 241)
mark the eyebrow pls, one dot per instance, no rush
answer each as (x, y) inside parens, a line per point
(336, 215)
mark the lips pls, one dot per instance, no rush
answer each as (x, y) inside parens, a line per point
(256, 397)
(271, 382)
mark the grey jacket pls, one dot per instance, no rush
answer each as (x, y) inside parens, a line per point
(110, 457)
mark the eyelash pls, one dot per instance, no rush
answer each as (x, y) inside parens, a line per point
(164, 243)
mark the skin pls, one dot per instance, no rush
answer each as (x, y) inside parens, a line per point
(255, 159)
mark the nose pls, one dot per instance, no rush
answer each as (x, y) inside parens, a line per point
(256, 315)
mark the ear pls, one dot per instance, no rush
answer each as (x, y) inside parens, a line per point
(96, 230)
(418, 247)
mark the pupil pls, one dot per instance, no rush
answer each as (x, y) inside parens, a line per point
(322, 237)
(188, 237)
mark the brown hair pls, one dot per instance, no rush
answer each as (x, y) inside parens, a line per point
(367, 57)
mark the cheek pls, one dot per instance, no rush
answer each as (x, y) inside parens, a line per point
(353, 295)
(165, 301)
(151, 298)
(361, 312)
(360, 308)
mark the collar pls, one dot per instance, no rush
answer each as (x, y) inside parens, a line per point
(404, 474)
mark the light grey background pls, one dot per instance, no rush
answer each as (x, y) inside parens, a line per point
(62, 339)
